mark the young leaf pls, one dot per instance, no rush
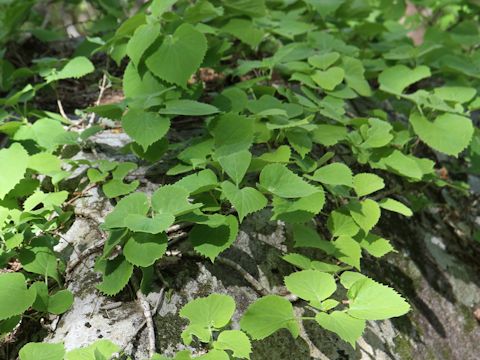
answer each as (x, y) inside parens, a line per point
(179, 56)
(448, 133)
(42, 351)
(267, 315)
(366, 183)
(246, 200)
(311, 285)
(236, 341)
(329, 135)
(236, 164)
(145, 127)
(211, 241)
(204, 180)
(14, 162)
(334, 174)
(279, 180)
(370, 300)
(15, 298)
(345, 326)
(213, 355)
(323, 61)
(205, 315)
(142, 249)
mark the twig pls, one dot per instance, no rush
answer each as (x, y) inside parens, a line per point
(84, 255)
(60, 109)
(259, 288)
(147, 313)
(142, 325)
(102, 88)
(80, 194)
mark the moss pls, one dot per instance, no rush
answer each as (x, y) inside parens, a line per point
(469, 323)
(403, 348)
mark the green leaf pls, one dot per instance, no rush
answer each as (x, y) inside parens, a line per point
(370, 300)
(403, 165)
(348, 251)
(341, 224)
(172, 199)
(42, 351)
(376, 245)
(159, 7)
(329, 79)
(334, 174)
(279, 180)
(329, 135)
(39, 258)
(57, 303)
(267, 315)
(253, 8)
(397, 78)
(44, 163)
(311, 285)
(206, 314)
(14, 161)
(366, 183)
(143, 37)
(246, 200)
(145, 127)
(188, 107)
(214, 355)
(232, 133)
(458, 94)
(211, 241)
(323, 61)
(142, 249)
(236, 164)
(99, 350)
(179, 56)
(116, 274)
(305, 236)
(74, 68)
(378, 134)
(159, 223)
(395, 206)
(136, 203)
(204, 180)
(236, 341)
(366, 213)
(448, 133)
(15, 298)
(345, 326)
(348, 278)
(245, 31)
(298, 210)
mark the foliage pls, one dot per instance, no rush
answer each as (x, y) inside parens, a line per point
(315, 110)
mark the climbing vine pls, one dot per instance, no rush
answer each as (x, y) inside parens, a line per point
(323, 113)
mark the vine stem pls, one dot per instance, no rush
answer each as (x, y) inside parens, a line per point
(147, 313)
